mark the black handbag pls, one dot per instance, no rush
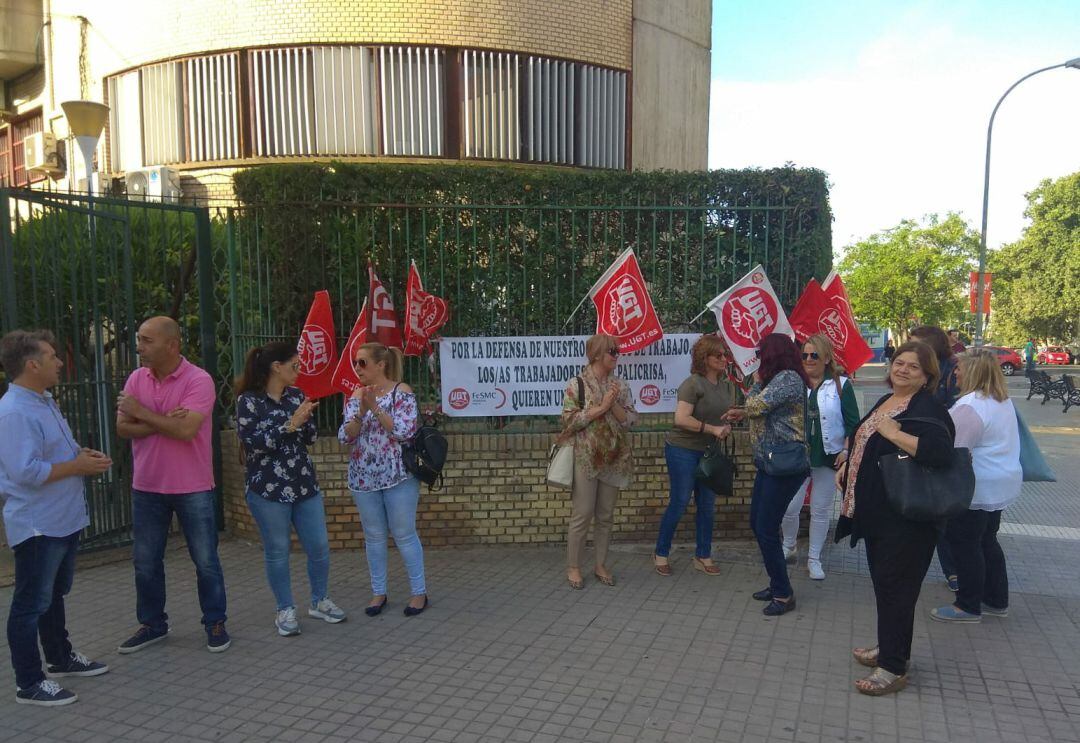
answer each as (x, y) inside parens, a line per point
(922, 493)
(716, 469)
(784, 459)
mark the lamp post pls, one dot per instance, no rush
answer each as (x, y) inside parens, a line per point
(1074, 64)
(86, 121)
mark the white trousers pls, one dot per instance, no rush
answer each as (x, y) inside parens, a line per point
(822, 496)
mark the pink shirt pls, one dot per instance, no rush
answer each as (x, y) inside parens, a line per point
(164, 465)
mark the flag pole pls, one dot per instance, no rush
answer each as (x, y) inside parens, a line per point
(603, 277)
(698, 315)
(580, 305)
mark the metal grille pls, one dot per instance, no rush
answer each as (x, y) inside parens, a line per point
(411, 87)
(344, 85)
(491, 105)
(284, 104)
(20, 130)
(212, 116)
(602, 120)
(162, 113)
(549, 127)
(125, 122)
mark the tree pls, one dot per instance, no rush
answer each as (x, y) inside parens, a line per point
(1036, 285)
(914, 273)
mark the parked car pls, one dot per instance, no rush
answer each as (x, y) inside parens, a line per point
(1053, 355)
(1009, 359)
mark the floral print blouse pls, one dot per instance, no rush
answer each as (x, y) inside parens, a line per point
(375, 460)
(278, 466)
(601, 447)
(776, 413)
(858, 447)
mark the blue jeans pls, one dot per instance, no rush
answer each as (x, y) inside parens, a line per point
(682, 464)
(392, 511)
(44, 569)
(768, 504)
(309, 519)
(151, 516)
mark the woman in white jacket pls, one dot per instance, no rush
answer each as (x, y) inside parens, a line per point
(986, 424)
(832, 415)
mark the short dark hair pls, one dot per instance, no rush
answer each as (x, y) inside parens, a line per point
(934, 337)
(927, 360)
(19, 346)
(779, 353)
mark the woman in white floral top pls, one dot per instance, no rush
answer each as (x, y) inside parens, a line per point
(274, 424)
(380, 415)
(603, 461)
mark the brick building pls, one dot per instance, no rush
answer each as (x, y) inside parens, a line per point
(203, 87)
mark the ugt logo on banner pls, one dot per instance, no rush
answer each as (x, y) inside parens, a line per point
(623, 306)
(746, 313)
(317, 349)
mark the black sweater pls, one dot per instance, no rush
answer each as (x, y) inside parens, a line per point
(873, 514)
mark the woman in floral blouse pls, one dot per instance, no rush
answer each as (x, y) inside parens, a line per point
(379, 416)
(275, 429)
(603, 462)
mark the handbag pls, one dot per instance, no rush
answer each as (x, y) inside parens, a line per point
(1032, 462)
(560, 472)
(785, 458)
(716, 469)
(922, 493)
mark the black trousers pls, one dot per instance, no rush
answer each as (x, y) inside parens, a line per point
(980, 563)
(898, 563)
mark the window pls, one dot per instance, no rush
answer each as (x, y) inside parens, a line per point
(410, 84)
(549, 111)
(5, 156)
(491, 108)
(162, 113)
(601, 141)
(212, 120)
(12, 157)
(125, 122)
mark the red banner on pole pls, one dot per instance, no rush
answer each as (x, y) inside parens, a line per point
(973, 291)
(623, 306)
(345, 379)
(424, 315)
(746, 313)
(317, 349)
(384, 321)
(827, 312)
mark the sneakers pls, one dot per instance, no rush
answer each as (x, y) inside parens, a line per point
(994, 611)
(217, 639)
(286, 623)
(951, 614)
(791, 554)
(816, 571)
(328, 611)
(78, 664)
(143, 638)
(45, 693)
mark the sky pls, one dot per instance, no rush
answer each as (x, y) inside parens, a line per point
(892, 101)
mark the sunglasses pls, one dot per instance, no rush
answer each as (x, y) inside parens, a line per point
(613, 352)
(812, 355)
(360, 364)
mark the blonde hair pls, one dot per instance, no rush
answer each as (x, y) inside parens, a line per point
(707, 345)
(827, 354)
(980, 372)
(598, 345)
(391, 357)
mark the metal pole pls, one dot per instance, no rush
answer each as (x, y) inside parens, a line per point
(1074, 63)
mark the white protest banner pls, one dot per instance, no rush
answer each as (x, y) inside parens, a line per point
(746, 313)
(528, 375)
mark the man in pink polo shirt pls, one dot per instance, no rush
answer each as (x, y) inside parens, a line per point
(166, 411)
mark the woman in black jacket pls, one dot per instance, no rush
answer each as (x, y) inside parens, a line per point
(898, 550)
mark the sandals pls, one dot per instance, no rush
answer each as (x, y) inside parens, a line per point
(881, 682)
(866, 656)
(607, 580)
(710, 569)
(662, 568)
(577, 585)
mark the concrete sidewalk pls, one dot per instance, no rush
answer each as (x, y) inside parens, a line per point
(508, 653)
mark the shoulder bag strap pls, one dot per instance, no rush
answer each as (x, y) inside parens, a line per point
(580, 392)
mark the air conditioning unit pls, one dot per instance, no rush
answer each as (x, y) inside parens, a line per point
(41, 153)
(153, 184)
(106, 185)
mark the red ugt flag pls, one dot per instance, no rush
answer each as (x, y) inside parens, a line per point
(746, 313)
(424, 314)
(317, 349)
(838, 323)
(805, 314)
(623, 306)
(384, 321)
(345, 378)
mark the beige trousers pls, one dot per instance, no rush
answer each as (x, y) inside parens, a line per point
(590, 498)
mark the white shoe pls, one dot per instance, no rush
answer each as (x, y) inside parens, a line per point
(286, 623)
(327, 611)
(816, 571)
(791, 554)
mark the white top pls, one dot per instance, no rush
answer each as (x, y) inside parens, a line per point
(831, 415)
(989, 429)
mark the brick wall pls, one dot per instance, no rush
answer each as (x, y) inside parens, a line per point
(495, 494)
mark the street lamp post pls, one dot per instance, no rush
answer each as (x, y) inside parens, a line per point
(979, 288)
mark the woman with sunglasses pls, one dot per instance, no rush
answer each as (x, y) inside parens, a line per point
(832, 415)
(275, 426)
(603, 463)
(702, 400)
(380, 414)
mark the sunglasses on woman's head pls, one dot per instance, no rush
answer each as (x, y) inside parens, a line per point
(613, 352)
(812, 355)
(360, 364)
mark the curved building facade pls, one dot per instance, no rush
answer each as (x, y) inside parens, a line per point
(205, 87)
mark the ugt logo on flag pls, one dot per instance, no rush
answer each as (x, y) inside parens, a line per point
(623, 306)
